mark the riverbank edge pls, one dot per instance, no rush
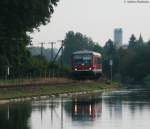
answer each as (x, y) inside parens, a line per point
(45, 92)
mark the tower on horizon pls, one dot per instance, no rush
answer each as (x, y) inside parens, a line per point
(118, 37)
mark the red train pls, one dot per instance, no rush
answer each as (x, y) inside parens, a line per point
(87, 64)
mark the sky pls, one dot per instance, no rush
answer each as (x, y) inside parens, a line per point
(97, 19)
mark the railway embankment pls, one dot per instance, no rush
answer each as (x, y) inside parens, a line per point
(52, 87)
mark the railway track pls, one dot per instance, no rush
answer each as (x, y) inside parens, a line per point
(31, 85)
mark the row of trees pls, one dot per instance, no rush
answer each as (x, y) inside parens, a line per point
(130, 63)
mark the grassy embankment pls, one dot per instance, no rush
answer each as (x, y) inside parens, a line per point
(55, 89)
(34, 81)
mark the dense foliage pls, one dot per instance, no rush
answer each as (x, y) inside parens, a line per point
(130, 63)
(17, 117)
(17, 17)
(77, 41)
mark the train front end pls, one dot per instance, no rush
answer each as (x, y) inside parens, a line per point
(86, 64)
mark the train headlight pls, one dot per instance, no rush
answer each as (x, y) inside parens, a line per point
(75, 69)
(90, 68)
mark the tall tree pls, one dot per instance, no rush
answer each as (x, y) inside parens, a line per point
(109, 49)
(132, 42)
(140, 41)
(77, 41)
(17, 17)
(109, 53)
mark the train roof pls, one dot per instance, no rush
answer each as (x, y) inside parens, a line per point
(87, 52)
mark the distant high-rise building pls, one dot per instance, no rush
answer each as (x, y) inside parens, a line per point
(118, 37)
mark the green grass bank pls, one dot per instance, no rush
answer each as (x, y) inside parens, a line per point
(35, 91)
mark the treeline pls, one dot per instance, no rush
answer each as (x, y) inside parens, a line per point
(130, 63)
(77, 41)
(45, 52)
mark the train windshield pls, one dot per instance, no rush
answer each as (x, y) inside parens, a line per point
(82, 59)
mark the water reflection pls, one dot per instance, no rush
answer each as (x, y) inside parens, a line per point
(115, 110)
(134, 100)
(15, 116)
(85, 108)
(114, 106)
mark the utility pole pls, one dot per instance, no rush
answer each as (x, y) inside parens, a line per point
(62, 44)
(52, 49)
(42, 49)
(60, 51)
(111, 64)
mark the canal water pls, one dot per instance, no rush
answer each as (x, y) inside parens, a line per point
(113, 110)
